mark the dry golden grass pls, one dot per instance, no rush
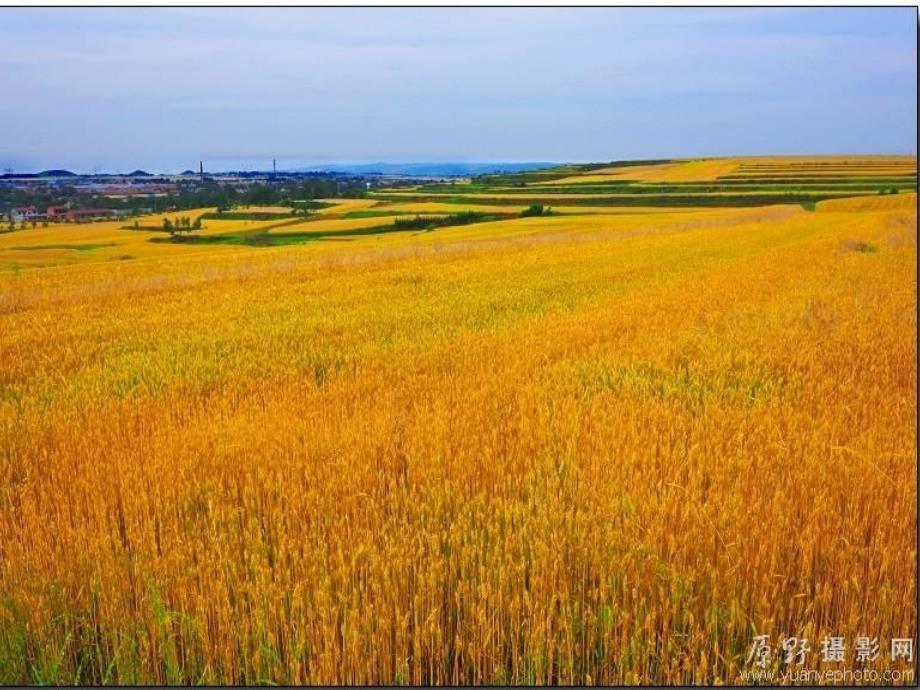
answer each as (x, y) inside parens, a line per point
(65, 243)
(793, 174)
(599, 449)
(888, 202)
(679, 171)
(834, 166)
(340, 206)
(78, 243)
(709, 170)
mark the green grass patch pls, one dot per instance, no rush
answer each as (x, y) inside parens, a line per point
(611, 188)
(638, 188)
(590, 167)
(145, 228)
(535, 210)
(421, 222)
(311, 205)
(264, 238)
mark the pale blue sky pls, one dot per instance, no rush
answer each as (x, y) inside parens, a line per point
(161, 88)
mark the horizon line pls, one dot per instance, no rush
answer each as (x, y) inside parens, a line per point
(320, 167)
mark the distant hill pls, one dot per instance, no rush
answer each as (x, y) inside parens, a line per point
(139, 173)
(56, 173)
(447, 169)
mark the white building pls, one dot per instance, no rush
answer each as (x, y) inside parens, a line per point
(24, 213)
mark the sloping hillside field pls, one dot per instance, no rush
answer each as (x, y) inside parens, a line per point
(447, 435)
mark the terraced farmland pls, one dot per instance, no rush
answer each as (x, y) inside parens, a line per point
(708, 182)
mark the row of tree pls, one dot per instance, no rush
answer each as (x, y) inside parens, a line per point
(24, 224)
(180, 225)
(194, 194)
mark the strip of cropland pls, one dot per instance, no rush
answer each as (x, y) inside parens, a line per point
(722, 182)
(706, 182)
(552, 443)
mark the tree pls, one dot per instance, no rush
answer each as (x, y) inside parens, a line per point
(536, 210)
(181, 225)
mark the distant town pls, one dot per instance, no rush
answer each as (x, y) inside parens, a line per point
(61, 196)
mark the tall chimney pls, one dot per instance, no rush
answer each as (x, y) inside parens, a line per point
(201, 170)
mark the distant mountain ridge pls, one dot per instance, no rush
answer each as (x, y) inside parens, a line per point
(446, 169)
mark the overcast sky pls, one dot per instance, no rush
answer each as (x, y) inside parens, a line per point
(160, 89)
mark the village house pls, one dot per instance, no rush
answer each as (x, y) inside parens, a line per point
(78, 214)
(55, 212)
(21, 214)
(84, 214)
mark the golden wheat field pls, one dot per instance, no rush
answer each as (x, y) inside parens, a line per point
(712, 169)
(591, 447)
